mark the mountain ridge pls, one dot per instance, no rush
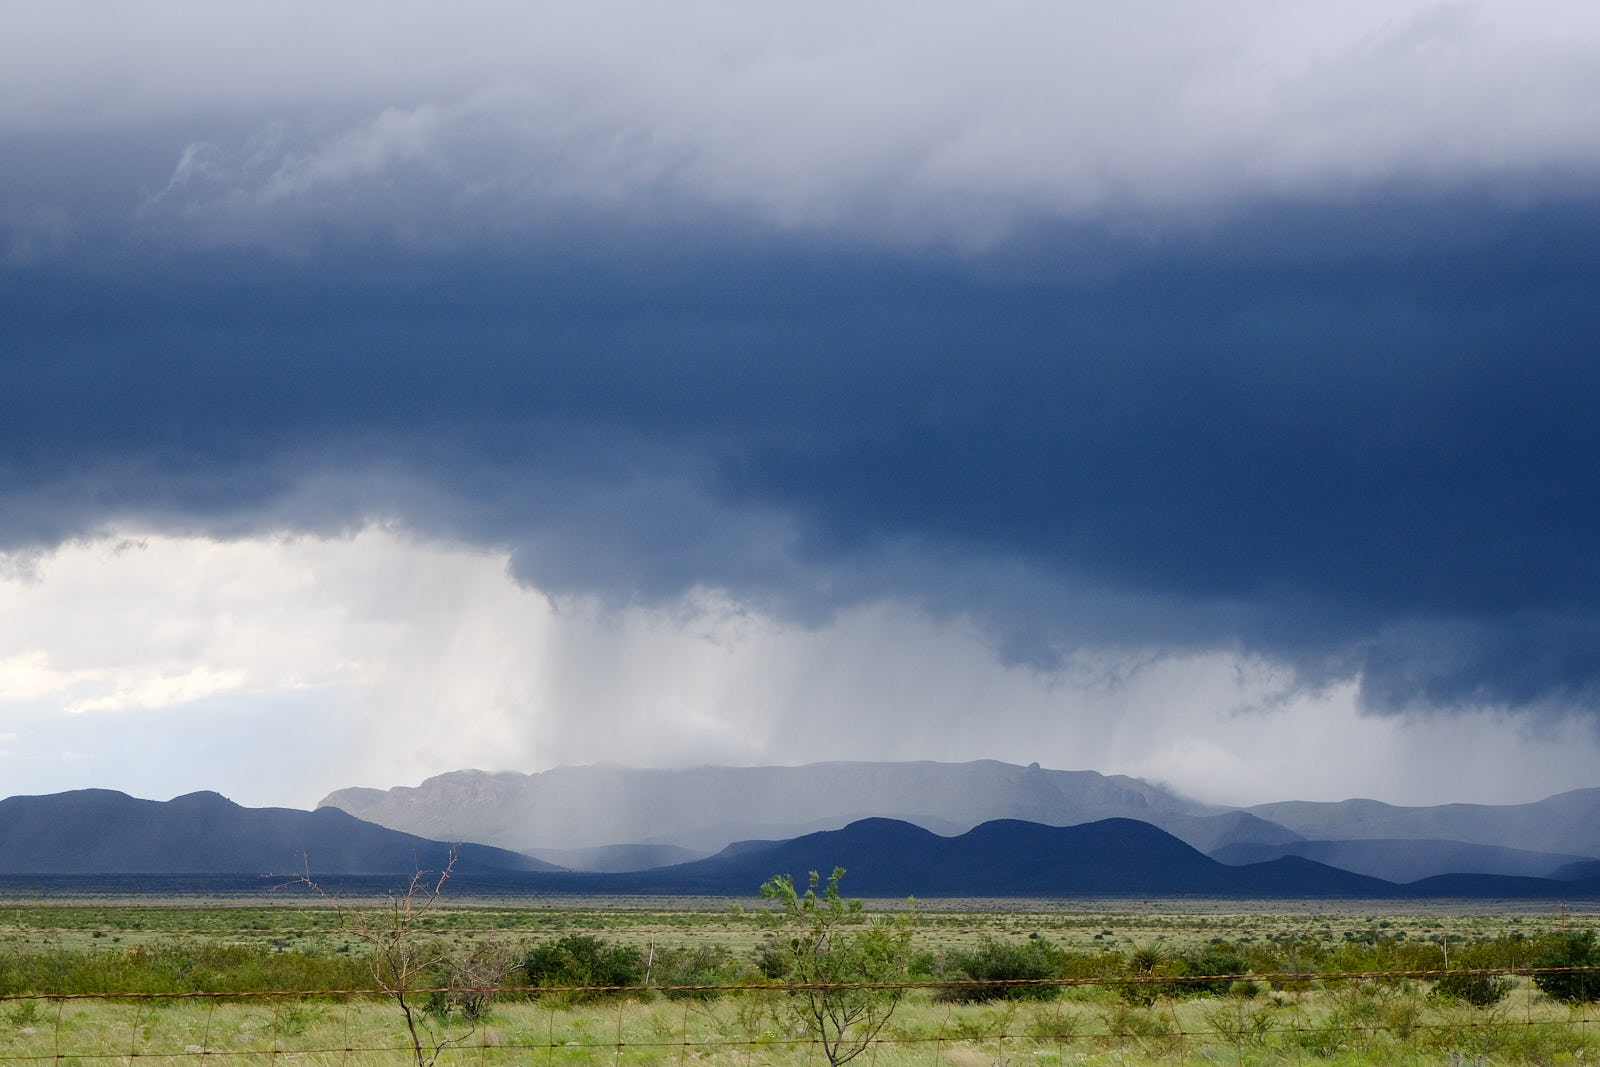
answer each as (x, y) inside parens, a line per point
(584, 807)
(1006, 858)
(596, 816)
(103, 831)
(205, 838)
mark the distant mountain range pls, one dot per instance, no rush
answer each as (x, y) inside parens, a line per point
(100, 831)
(982, 828)
(706, 808)
(1004, 858)
(615, 819)
(1565, 823)
(99, 834)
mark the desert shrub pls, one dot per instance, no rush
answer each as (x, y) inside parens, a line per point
(1055, 1024)
(585, 961)
(697, 965)
(773, 959)
(1357, 1014)
(1213, 960)
(1571, 950)
(1151, 1031)
(1240, 1024)
(1374, 952)
(998, 964)
(1401, 1016)
(474, 978)
(1479, 990)
(1148, 962)
(23, 1013)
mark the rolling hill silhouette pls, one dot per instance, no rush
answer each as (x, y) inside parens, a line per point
(1003, 858)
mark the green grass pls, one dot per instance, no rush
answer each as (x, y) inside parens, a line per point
(281, 942)
(1360, 1026)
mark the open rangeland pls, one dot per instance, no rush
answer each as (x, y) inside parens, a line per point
(1097, 982)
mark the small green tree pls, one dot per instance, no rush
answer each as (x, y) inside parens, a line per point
(843, 968)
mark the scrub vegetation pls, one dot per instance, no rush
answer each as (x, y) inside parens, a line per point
(1018, 982)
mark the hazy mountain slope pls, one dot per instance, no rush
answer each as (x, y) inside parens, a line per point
(100, 831)
(617, 858)
(1403, 860)
(578, 807)
(1210, 832)
(1112, 857)
(1564, 823)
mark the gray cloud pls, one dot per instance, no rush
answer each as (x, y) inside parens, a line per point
(1263, 329)
(913, 121)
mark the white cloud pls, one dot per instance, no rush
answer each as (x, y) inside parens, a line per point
(29, 676)
(160, 688)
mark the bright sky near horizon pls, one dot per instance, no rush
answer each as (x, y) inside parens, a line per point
(1205, 393)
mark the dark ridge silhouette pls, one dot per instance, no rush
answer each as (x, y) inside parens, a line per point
(1003, 858)
(1583, 870)
(101, 831)
(1501, 886)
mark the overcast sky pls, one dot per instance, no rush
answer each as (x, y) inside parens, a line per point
(1202, 392)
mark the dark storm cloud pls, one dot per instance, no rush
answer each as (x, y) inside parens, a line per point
(1355, 436)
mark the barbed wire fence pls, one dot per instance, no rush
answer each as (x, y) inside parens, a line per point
(656, 1023)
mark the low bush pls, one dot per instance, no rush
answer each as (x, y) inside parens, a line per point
(1571, 950)
(474, 979)
(693, 965)
(1479, 990)
(1002, 971)
(1217, 962)
(586, 962)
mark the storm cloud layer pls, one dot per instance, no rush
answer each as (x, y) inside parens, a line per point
(1269, 330)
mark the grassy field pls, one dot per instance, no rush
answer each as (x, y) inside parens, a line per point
(307, 924)
(282, 941)
(1093, 1026)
